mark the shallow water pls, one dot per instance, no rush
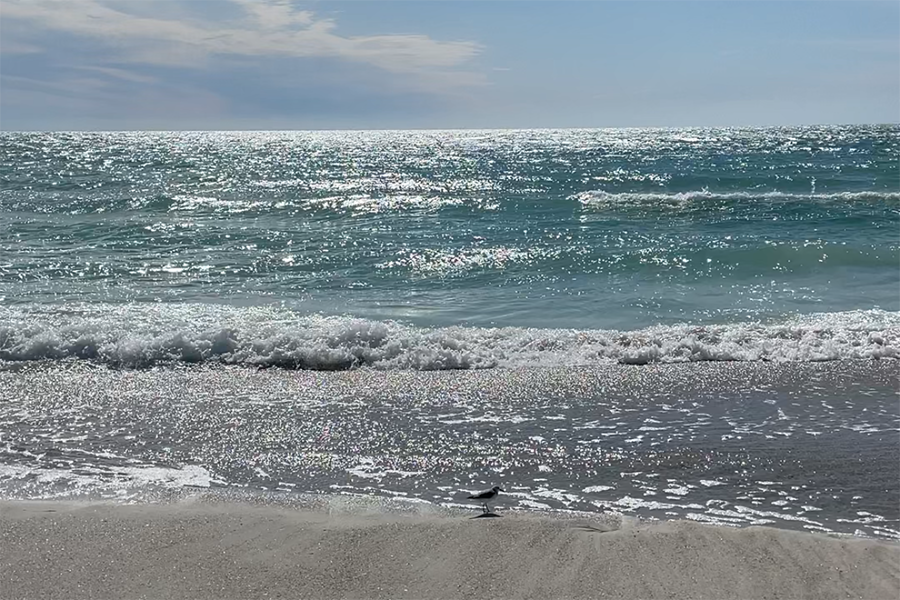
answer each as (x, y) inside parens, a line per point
(806, 446)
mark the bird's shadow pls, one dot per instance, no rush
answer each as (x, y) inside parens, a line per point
(486, 515)
(593, 529)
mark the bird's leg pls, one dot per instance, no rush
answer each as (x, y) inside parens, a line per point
(484, 507)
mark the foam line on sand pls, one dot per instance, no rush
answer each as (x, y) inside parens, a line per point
(235, 550)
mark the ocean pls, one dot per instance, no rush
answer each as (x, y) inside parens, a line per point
(664, 323)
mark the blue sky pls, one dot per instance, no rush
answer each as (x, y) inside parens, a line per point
(257, 64)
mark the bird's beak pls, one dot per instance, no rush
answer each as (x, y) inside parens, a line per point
(502, 490)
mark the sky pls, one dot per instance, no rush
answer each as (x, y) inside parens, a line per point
(367, 64)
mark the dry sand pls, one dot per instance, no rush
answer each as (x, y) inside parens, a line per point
(201, 550)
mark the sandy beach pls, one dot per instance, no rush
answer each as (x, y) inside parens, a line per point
(235, 550)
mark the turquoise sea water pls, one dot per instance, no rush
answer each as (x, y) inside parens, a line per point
(694, 324)
(410, 248)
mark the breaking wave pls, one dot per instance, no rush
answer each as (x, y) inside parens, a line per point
(138, 336)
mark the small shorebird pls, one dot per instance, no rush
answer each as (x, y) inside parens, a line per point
(485, 496)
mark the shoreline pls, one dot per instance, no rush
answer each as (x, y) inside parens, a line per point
(199, 549)
(726, 442)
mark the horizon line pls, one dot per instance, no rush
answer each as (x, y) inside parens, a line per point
(426, 129)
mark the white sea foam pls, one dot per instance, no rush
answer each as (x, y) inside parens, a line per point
(142, 335)
(368, 469)
(597, 488)
(105, 481)
(602, 199)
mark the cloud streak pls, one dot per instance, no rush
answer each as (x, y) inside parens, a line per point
(274, 29)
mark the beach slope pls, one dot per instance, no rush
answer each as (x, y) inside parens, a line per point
(233, 550)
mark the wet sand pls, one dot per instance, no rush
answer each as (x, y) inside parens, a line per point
(237, 550)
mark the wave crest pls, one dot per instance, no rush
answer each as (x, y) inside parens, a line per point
(604, 199)
(137, 337)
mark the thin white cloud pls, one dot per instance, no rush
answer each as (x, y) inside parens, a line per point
(99, 102)
(275, 15)
(8, 46)
(120, 74)
(274, 28)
